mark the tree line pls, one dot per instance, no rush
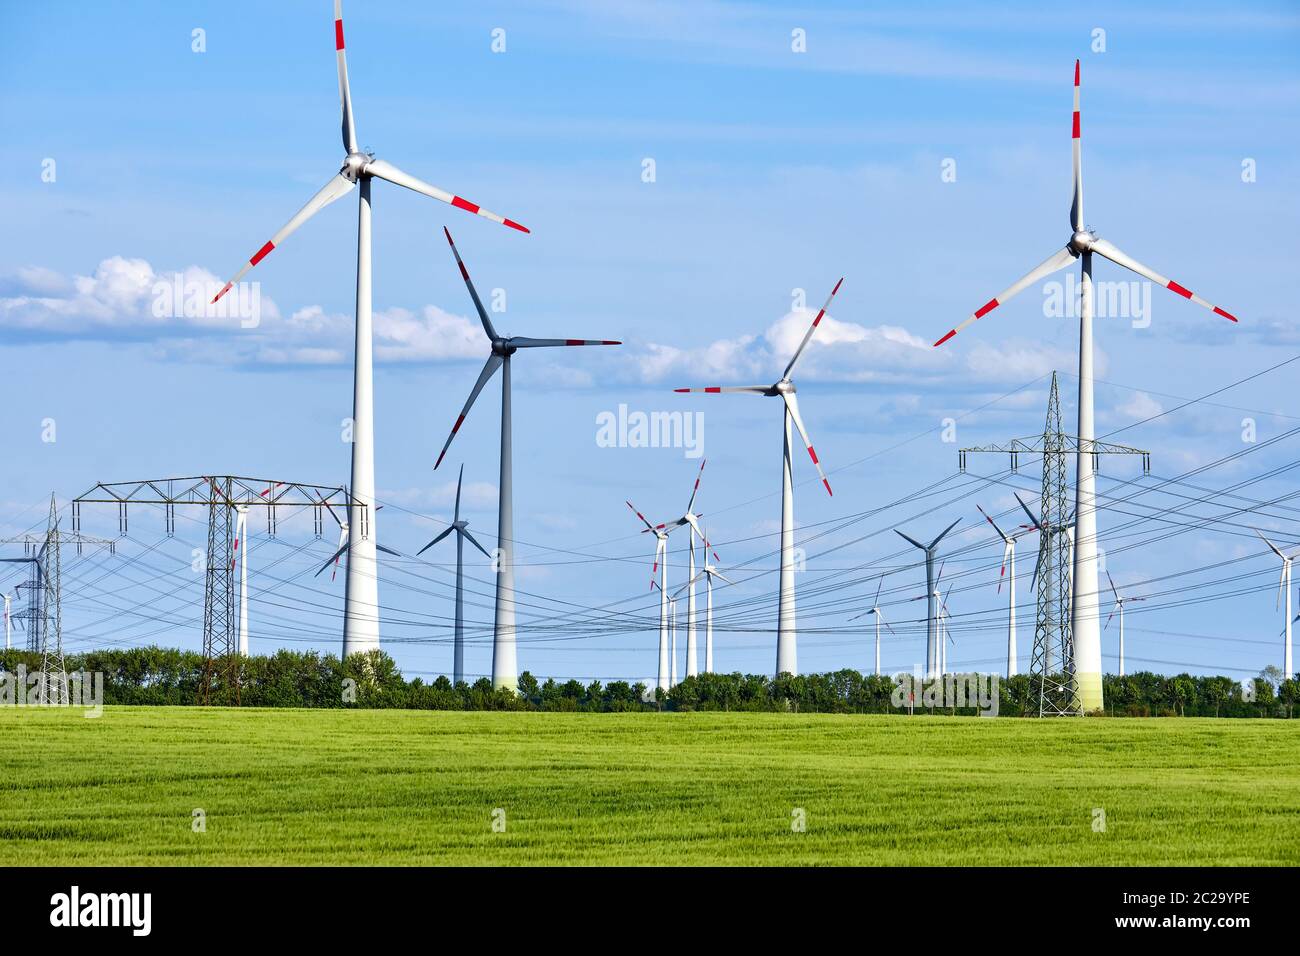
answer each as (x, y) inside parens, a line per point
(159, 675)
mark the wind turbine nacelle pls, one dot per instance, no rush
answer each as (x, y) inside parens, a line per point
(1082, 241)
(354, 166)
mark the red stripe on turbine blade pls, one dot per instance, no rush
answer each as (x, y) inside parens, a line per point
(1175, 287)
(828, 487)
(463, 204)
(819, 317)
(514, 225)
(224, 289)
(1076, 124)
(1076, 72)
(812, 454)
(945, 338)
(575, 342)
(1227, 315)
(463, 271)
(986, 308)
(681, 390)
(447, 233)
(261, 253)
(338, 34)
(837, 286)
(713, 390)
(610, 342)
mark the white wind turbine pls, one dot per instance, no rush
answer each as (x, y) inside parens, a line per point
(661, 567)
(880, 619)
(505, 672)
(708, 573)
(945, 637)
(692, 521)
(1082, 244)
(786, 638)
(1119, 607)
(1008, 562)
(346, 542)
(1283, 585)
(462, 532)
(361, 614)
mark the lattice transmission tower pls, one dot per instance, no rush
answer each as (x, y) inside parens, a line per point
(221, 496)
(1052, 682)
(44, 612)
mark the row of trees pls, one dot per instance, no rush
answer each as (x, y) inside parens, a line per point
(157, 675)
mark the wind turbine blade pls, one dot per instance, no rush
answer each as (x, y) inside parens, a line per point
(876, 600)
(380, 547)
(724, 389)
(1281, 588)
(459, 478)
(939, 577)
(523, 342)
(1112, 586)
(1006, 550)
(386, 170)
(469, 284)
(1036, 524)
(345, 91)
(1270, 544)
(1109, 616)
(336, 188)
(812, 328)
(1107, 249)
(944, 533)
(644, 520)
(474, 541)
(329, 509)
(1052, 264)
(721, 576)
(695, 491)
(910, 540)
(333, 557)
(1001, 535)
(489, 368)
(1076, 206)
(792, 404)
(1038, 564)
(442, 535)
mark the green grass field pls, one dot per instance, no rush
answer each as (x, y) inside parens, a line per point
(405, 787)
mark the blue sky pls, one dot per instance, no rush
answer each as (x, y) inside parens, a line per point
(775, 171)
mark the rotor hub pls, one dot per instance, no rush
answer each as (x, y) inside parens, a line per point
(1082, 241)
(354, 166)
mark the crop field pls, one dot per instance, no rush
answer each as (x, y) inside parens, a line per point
(157, 785)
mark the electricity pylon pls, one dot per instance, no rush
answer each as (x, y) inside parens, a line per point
(222, 496)
(1052, 677)
(44, 611)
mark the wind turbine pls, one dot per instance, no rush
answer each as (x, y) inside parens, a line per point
(708, 573)
(660, 566)
(945, 636)
(786, 639)
(504, 669)
(346, 543)
(1119, 606)
(1008, 561)
(1082, 244)
(692, 521)
(1283, 584)
(880, 619)
(462, 532)
(361, 615)
(932, 592)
